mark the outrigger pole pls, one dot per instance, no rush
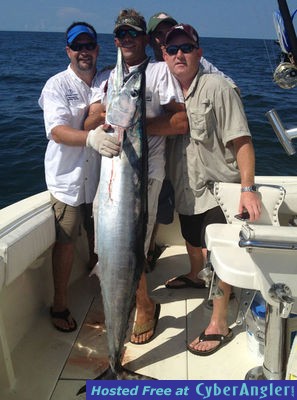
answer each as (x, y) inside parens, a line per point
(289, 27)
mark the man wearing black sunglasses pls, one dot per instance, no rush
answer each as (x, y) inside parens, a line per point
(164, 116)
(158, 26)
(217, 148)
(71, 168)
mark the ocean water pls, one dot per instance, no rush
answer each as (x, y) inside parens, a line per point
(28, 59)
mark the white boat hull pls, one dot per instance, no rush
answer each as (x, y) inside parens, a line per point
(33, 355)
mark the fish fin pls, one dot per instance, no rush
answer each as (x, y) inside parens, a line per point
(95, 270)
(121, 375)
(126, 374)
(83, 389)
(107, 375)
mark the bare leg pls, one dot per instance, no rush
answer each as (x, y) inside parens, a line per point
(145, 306)
(145, 310)
(63, 254)
(196, 256)
(218, 322)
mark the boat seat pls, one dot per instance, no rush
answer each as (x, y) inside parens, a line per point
(264, 258)
(289, 183)
(28, 233)
(227, 196)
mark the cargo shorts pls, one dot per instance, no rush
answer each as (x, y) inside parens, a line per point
(70, 219)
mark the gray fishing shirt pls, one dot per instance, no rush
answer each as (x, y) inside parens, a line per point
(206, 154)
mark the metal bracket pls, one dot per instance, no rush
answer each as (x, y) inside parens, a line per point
(245, 301)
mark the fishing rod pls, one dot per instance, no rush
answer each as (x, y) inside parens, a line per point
(289, 27)
(285, 75)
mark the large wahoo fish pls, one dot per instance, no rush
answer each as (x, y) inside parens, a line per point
(122, 212)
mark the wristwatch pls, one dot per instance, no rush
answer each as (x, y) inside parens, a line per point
(252, 188)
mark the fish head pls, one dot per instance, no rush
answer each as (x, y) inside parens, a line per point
(124, 94)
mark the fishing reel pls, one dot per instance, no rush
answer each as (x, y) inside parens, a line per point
(285, 75)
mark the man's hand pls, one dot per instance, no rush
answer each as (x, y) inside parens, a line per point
(106, 144)
(250, 201)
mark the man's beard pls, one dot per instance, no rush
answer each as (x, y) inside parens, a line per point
(85, 66)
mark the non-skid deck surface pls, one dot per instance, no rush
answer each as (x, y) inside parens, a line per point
(51, 365)
(183, 316)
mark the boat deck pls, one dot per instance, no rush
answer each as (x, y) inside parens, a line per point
(54, 365)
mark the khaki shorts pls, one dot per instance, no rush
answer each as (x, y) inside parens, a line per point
(68, 220)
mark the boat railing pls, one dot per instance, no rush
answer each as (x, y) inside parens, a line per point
(27, 230)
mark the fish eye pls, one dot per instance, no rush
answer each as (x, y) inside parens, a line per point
(134, 93)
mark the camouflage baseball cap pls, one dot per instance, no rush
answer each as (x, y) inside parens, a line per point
(156, 19)
(136, 22)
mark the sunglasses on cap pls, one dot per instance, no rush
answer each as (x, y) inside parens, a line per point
(121, 33)
(186, 48)
(83, 46)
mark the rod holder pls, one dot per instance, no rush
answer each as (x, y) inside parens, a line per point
(285, 136)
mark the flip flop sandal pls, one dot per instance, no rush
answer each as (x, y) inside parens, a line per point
(62, 315)
(186, 283)
(223, 339)
(146, 327)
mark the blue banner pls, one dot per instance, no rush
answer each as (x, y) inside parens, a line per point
(191, 390)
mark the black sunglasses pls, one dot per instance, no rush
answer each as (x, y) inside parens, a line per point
(83, 46)
(121, 33)
(186, 48)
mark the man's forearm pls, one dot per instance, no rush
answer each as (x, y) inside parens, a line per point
(246, 160)
(65, 134)
(96, 116)
(168, 124)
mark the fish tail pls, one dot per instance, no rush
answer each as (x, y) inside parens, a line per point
(126, 374)
(121, 374)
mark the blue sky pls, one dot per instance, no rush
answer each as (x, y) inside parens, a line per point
(212, 18)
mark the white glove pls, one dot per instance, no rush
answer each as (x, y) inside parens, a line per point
(106, 144)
